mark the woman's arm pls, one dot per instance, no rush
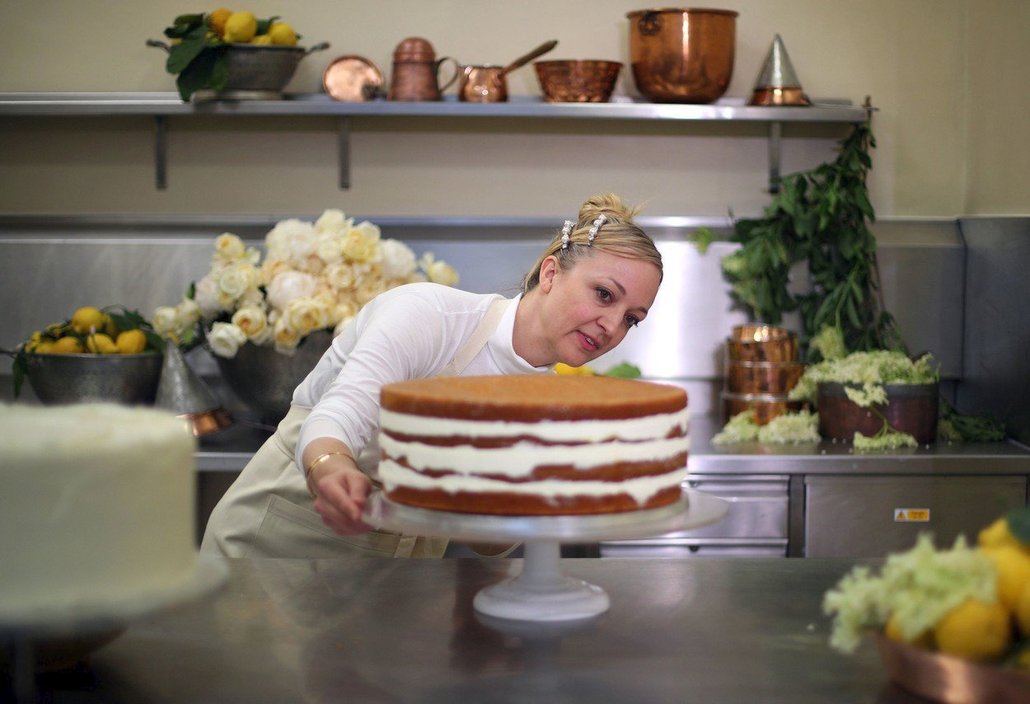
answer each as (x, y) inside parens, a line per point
(340, 489)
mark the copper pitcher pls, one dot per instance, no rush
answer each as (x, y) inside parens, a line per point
(416, 71)
(486, 84)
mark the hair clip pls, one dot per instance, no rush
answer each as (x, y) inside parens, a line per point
(566, 231)
(594, 228)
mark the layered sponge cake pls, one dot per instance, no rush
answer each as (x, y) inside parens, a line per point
(533, 445)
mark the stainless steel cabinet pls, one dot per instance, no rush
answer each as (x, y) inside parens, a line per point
(754, 525)
(869, 516)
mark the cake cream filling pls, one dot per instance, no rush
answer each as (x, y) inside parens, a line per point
(640, 489)
(520, 459)
(646, 428)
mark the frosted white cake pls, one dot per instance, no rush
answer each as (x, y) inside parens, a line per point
(97, 506)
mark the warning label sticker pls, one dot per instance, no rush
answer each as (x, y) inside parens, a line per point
(911, 515)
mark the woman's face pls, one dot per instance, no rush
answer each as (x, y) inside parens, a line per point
(589, 308)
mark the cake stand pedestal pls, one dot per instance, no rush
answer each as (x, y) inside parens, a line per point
(540, 592)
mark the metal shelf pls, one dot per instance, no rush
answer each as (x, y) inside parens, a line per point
(163, 105)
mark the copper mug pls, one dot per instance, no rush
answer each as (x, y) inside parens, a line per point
(416, 72)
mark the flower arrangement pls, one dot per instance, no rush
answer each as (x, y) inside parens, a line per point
(315, 276)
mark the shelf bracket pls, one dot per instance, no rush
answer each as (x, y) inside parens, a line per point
(775, 133)
(343, 146)
(161, 152)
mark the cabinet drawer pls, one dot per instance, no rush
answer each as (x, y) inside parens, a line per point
(871, 516)
(758, 507)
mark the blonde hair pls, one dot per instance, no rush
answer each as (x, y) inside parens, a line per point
(618, 235)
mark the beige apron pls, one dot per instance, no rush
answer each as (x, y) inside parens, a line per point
(268, 512)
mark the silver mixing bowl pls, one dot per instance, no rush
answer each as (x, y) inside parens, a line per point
(131, 379)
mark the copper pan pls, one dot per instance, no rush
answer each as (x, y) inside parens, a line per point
(486, 84)
(682, 55)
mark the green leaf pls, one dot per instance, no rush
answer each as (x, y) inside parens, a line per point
(263, 25)
(197, 74)
(1019, 523)
(625, 370)
(182, 54)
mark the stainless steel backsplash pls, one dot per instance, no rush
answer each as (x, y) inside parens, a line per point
(955, 298)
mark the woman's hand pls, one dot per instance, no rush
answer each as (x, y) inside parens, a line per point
(339, 487)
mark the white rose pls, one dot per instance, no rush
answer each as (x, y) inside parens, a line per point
(251, 320)
(368, 289)
(289, 285)
(333, 220)
(306, 314)
(205, 293)
(164, 320)
(340, 276)
(225, 339)
(438, 271)
(284, 337)
(236, 279)
(398, 261)
(290, 238)
(229, 247)
(187, 313)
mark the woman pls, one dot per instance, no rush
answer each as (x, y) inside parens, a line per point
(595, 281)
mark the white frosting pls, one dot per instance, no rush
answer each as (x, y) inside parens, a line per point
(97, 502)
(646, 428)
(641, 489)
(601, 442)
(520, 459)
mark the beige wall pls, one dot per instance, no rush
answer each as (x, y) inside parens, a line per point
(946, 75)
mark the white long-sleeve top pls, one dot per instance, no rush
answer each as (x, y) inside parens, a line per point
(409, 332)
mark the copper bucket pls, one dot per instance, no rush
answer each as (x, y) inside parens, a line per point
(682, 55)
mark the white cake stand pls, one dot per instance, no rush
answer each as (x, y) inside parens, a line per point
(541, 592)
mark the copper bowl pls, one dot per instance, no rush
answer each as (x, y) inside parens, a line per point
(763, 377)
(682, 55)
(586, 81)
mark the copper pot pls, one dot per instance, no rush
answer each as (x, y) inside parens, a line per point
(682, 55)
(910, 408)
(486, 84)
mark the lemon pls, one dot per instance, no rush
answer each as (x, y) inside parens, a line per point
(101, 344)
(66, 345)
(217, 19)
(111, 328)
(998, 533)
(44, 347)
(566, 370)
(87, 319)
(262, 40)
(1013, 565)
(1022, 613)
(282, 34)
(240, 27)
(131, 342)
(974, 630)
(893, 631)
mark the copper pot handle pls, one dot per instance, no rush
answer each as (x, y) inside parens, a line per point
(458, 68)
(649, 24)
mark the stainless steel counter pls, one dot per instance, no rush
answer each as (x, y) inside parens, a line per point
(405, 631)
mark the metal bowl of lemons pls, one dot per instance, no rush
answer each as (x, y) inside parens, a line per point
(130, 379)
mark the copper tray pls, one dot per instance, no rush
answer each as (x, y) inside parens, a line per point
(945, 678)
(352, 79)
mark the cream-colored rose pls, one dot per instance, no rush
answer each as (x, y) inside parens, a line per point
(252, 297)
(438, 271)
(238, 278)
(229, 248)
(333, 220)
(289, 285)
(272, 268)
(164, 320)
(362, 244)
(225, 339)
(187, 313)
(305, 315)
(251, 320)
(340, 276)
(368, 289)
(284, 337)
(205, 293)
(398, 261)
(329, 247)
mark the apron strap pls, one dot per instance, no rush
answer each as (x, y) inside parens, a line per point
(477, 341)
